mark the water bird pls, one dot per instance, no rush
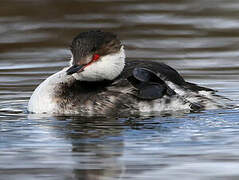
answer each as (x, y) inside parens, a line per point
(101, 81)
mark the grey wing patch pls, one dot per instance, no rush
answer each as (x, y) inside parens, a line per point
(148, 84)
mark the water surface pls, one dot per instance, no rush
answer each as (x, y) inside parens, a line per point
(198, 38)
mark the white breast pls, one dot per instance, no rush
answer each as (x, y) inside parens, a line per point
(41, 100)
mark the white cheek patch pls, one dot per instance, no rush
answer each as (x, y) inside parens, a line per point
(71, 61)
(106, 68)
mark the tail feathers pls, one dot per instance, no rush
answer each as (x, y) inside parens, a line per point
(196, 88)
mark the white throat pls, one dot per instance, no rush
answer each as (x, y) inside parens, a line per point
(106, 68)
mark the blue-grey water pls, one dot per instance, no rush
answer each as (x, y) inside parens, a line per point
(199, 38)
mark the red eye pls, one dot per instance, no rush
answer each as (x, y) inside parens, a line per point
(95, 57)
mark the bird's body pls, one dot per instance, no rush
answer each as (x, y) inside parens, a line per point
(101, 82)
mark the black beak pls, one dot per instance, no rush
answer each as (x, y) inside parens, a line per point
(75, 68)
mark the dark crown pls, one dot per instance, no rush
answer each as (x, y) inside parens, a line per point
(95, 41)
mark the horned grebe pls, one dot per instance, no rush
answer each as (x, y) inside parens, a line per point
(99, 81)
